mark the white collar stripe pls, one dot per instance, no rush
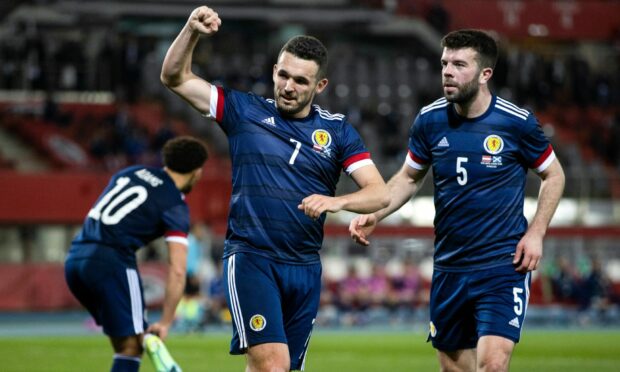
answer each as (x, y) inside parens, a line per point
(512, 105)
(511, 112)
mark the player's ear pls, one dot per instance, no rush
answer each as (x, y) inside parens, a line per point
(485, 75)
(321, 85)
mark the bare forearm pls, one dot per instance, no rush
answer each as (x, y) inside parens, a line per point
(366, 200)
(178, 61)
(551, 190)
(175, 286)
(401, 189)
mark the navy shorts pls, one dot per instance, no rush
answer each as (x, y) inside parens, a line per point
(110, 290)
(271, 302)
(465, 306)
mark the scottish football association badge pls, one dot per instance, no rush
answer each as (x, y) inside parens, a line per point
(258, 322)
(493, 144)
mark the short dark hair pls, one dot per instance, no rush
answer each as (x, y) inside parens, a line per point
(184, 154)
(309, 48)
(478, 40)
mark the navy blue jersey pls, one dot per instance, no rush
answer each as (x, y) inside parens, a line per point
(277, 162)
(479, 172)
(139, 205)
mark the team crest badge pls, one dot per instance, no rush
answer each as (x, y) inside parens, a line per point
(258, 322)
(322, 140)
(432, 329)
(493, 144)
(321, 137)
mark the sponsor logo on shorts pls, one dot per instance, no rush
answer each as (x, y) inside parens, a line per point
(258, 322)
(433, 330)
(514, 322)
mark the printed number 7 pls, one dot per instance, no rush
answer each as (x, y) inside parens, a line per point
(296, 152)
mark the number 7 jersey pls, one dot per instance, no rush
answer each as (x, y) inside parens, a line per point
(139, 205)
(276, 163)
(479, 173)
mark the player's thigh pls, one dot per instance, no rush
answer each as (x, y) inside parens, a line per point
(493, 353)
(268, 357)
(452, 325)
(254, 301)
(458, 360)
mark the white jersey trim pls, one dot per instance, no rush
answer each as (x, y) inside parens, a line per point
(357, 165)
(413, 164)
(506, 108)
(545, 164)
(442, 102)
(213, 103)
(512, 105)
(137, 313)
(177, 239)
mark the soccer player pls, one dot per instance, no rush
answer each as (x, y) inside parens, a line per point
(139, 205)
(480, 147)
(287, 155)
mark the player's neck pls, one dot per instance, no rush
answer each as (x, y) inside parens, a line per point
(477, 106)
(180, 180)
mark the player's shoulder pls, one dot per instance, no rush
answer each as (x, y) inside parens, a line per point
(508, 109)
(437, 107)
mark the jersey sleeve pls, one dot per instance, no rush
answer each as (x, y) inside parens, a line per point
(535, 147)
(354, 154)
(419, 155)
(227, 106)
(176, 221)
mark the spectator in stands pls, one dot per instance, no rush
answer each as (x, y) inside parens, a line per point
(565, 281)
(596, 288)
(407, 289)
(479, 147)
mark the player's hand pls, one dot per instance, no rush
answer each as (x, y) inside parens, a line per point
(361, 227)
(204, 20)
(315, 204)
(158, 329)
(528, 253)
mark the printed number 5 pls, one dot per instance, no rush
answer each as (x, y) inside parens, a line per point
(296, 152)
(518, 301)
(462, 172)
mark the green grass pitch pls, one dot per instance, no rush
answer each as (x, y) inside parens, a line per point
(363, 351)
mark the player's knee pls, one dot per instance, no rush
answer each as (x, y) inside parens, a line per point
(130, 346)
(269, 362)
(494, 363)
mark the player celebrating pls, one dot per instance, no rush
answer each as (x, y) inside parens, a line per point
(138, 205)
(287, 155)
(480, 147)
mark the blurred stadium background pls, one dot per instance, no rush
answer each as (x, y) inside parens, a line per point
(80, 98)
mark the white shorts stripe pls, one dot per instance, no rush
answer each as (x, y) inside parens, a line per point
(234, 303)
(527, 299)
(136, 301)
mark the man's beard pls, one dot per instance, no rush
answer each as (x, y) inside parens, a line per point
(291, 110)
(465, 93)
